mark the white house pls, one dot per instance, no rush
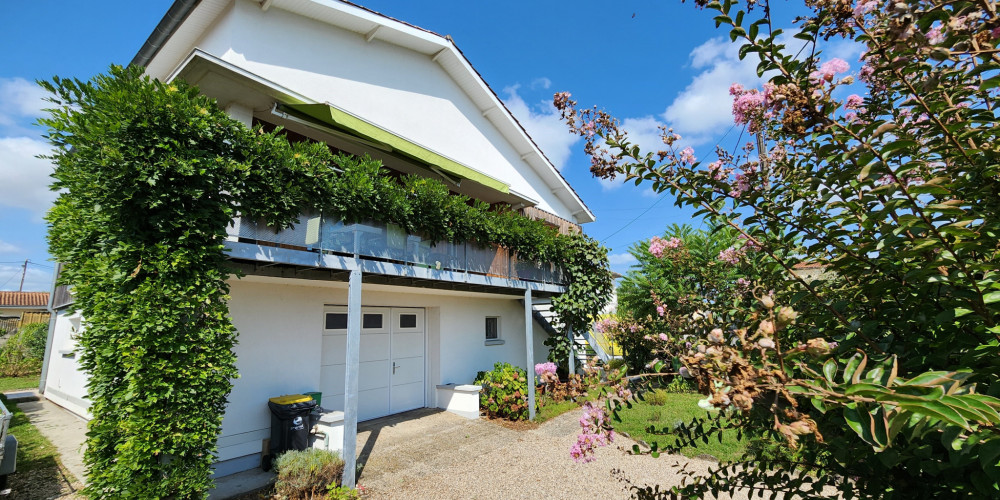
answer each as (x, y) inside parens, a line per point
(374, 318)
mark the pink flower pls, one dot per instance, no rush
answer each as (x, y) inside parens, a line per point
(864, 7)
(935, 35)
(660, 311)
(593, 433)
(748, 106)
(731, 255)
(606, 325)
(829, 69)
(854, 101)
(687, 156)
(543, 368)
(657, 245)
(995, 33)
(664, 337)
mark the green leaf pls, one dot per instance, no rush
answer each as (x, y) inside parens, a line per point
(830, 369)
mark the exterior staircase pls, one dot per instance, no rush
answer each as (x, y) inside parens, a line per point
(584, 345)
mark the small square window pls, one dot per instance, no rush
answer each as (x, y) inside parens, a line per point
(492, 328)
(407, 320)
(371, 321)
(336, 321)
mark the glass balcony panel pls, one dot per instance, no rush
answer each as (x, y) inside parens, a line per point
(391, 242)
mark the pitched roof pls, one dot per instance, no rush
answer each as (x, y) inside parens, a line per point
(354, 17)
(24, 299)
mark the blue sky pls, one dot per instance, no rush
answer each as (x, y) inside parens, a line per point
(649, 63)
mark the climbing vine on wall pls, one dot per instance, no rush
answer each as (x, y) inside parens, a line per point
(150, 174)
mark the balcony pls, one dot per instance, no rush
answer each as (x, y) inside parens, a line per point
(321, 242)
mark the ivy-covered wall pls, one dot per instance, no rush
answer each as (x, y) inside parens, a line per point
(150, 175)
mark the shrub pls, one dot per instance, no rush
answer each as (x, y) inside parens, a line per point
(680, 384)
(24, 350)
(307, 474)
(504, 391)
(615, 364)
(657, 397)
(342, 493)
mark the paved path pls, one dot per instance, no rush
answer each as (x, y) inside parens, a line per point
(440, 455)
(66, 431)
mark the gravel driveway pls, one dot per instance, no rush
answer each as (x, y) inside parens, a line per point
(431, 455)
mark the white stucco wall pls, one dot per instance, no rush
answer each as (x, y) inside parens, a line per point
(280, 325)
(280, 341)
(65, 382)
(400, 90)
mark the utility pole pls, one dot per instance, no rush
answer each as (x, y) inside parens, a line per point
(24, 271)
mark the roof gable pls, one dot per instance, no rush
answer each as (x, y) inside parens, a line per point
(188, 20)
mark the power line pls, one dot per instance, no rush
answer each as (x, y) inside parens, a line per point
(8, 279)
(662, 196)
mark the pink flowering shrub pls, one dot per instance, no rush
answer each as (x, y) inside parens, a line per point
(593, 433)
(892, 348)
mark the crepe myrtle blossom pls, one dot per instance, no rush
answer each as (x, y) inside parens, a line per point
(854, 101)
(606, 325)
(593, 433)
(687, 156)
(864, 7)
(731, 255)
(657, 245)
(828, 70)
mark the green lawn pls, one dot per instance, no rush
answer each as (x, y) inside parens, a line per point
(680, 407)
(15, 383)
(40, 474)
(33, 450)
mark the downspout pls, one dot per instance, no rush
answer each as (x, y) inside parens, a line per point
(177, 13)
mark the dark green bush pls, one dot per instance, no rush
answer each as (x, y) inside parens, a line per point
(307, 474)
(504, 392)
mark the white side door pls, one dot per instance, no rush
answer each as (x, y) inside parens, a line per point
(407, 375)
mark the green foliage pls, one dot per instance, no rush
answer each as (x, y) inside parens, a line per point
(615, 364)
(23, 352)
(342, 493)
(150, 175)
(559, 351)
(889, 374)
(36, 334)
(308, 474)
(505, 390)
(657, 397)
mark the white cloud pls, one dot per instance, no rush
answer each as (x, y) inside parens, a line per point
(703, 109)
(36, 279)
(20, 101)
(25, 177)
(544, 125)
(541, 83)
(621, 259)
(8, 247)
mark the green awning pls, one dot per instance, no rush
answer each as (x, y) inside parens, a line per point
(346, 122)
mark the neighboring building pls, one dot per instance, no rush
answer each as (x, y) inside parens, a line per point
(811, 271)
(22, 308)
(429, 315)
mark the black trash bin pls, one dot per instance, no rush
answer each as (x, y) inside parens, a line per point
(290, 424)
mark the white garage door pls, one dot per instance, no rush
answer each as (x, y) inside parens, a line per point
(391, 377)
